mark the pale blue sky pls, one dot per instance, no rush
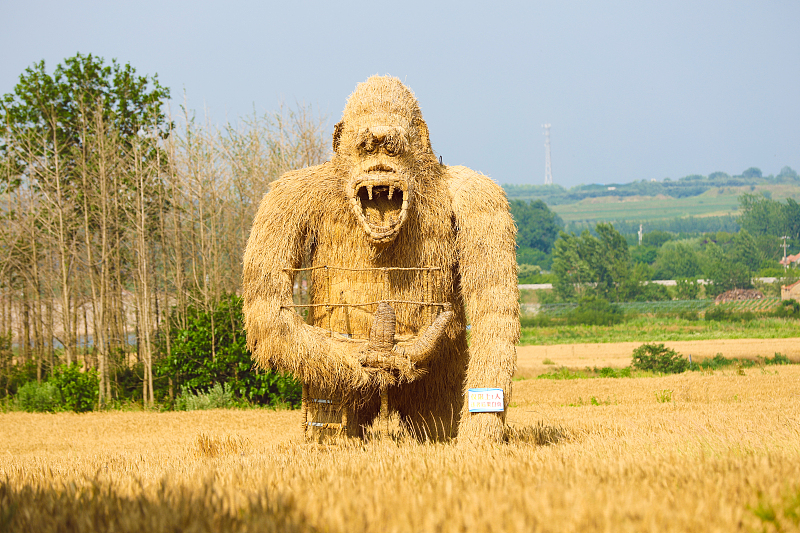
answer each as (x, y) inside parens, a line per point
(633, 89)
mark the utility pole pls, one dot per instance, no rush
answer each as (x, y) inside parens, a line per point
(785, 264)
(641, 233)
(548, 174)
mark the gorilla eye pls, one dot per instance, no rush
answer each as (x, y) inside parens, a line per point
(392, 147)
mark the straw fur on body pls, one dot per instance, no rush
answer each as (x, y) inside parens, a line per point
(384, 201)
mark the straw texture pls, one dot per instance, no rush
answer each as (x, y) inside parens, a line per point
(366, 221)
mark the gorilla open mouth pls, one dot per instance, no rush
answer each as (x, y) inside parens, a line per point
(380, 201)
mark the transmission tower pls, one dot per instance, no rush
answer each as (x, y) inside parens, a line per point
(548, 173)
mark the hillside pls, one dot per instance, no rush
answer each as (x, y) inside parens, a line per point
(693, 196)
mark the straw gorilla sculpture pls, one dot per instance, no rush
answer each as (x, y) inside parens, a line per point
(399, 249)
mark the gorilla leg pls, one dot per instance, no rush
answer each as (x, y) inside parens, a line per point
(431, 407)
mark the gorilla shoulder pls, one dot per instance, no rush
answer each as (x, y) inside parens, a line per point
(301, 180)
(473, 192)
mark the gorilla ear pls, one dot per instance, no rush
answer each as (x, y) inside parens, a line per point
(424, 138)
(337, 132)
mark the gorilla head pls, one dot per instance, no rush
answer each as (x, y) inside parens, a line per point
(382, 153)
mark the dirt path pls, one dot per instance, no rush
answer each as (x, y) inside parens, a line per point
(530, 358)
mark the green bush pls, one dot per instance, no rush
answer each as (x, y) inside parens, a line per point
(217, 397)
(716, 362)
(608, 372)
(595, 311)
(659, 358)
(778, 359)
(587, 373)
(719, 314)
(533, 274)
(537, 321)
(788, 309)
(68, 389)
(79, 390)
(35, 397)
(212, 349)
(15, 376)
(720, 361)
(687, 289)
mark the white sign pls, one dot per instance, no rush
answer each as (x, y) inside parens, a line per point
(485, 400)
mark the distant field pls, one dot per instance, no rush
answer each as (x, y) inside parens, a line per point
(661, 329)
(719, 201)
(694, 452)
(610, 209)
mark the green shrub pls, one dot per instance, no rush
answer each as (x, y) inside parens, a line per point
(538, 320)
(720, 314)
(35, 397)
(201, 357)
(587, 373)
(533, 274)
(217, 397)
(608, 372)
(659, 358)
(595, 311)
(687, 289)
(651, 292)
(716, 362)
(79, 390)
(562, 373)
(15, 376)
(788, 309)
(720, 361)
(778, 359)
(68, 389)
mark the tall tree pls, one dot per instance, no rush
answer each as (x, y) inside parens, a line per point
(593, 265)
(723, 272)
(537, 225)
(677, 260)
(761, 215)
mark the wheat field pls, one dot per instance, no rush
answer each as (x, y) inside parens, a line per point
(692, 452)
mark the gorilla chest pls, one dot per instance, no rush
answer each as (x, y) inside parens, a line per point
(350, 277)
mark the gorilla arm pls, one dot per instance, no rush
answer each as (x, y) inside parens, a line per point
(488, 270)
(276, 335)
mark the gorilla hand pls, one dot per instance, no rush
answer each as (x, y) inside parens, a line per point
(377, 353)
(381, 352)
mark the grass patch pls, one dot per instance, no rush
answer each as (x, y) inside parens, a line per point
(782, 515)
(546, 332)
(719, 362)
(593, 400)
(594, 372)
(663, 396)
